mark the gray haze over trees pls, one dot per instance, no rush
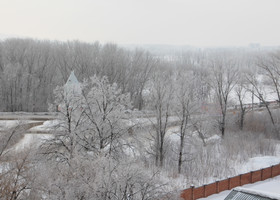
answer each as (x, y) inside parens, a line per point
(101, 147)
(31, 69)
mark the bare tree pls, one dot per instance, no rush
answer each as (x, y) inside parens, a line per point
(65, 144)
(185, 108)
(259, 92)
(105, 108)
(270, 66)
(161, 96)
(241, 91)
(91, 121)
(142, 66)
(92, 133)
(16, 177)
(224, 77)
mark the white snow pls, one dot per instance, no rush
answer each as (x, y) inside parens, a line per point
(147, 121)
(213, 139)
(257, 163)
(46, 126)
(31, 140)
(173, 133)
(268, 93)
(258, 192)
(7, 124)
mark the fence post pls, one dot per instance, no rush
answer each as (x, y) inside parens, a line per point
(217, 187)
(228, 183)
(204, 190)
(262, 174)
(192, 192)
(251, 181)
(240, 179)
(271, 171)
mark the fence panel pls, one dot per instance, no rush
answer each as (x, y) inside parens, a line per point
(234, 182)
(276, 170)
(245, 178)
(210, 189)
(223, 185)
(256, 176)
(187, 194)
(219, 186)
(266, 173)
(198, 192)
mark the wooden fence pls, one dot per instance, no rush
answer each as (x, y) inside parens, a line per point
(227, 184)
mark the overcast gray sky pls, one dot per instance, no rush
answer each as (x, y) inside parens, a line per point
(182, 22)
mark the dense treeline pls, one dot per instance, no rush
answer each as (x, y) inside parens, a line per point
(31, 69)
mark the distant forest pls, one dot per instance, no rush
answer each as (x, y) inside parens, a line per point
(31, 69)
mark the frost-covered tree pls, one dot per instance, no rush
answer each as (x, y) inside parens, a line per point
(186, 105)
(270, 68)
(90, 161)
(241, 91)
(224, 78)
(259, 91)
(103, 178)
(105, 108)
(161, 101)
(91, 122)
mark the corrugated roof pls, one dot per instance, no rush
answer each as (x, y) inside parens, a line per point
(245, 195)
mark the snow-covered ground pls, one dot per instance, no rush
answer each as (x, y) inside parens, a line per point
(173, 135)
(7, 124)
(268, 93)
(31, 140)
(257, 163)
(46, 126)
(147, 121)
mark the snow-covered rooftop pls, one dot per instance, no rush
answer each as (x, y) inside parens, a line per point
(72, 79)
(245, 193)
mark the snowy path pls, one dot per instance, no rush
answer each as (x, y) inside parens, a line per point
(31, 140)
(21, 138)
(27, 116)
